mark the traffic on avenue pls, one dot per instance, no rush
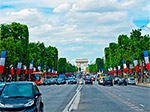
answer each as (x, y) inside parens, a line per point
(79, 92)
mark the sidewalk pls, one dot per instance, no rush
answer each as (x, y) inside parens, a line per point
(142, 84)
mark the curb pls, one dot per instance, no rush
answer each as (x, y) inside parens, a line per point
(141, 85)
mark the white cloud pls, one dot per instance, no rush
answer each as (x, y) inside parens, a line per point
(74, 48)
(62, 8)
(88, 22)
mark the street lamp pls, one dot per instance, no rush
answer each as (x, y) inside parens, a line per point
(143, 27)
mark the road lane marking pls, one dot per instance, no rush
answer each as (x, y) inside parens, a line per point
(128, 99)
(142, 105)
(74, 101)
(123, 101)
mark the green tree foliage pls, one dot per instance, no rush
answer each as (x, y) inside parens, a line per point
(99, 64)
(126, 48)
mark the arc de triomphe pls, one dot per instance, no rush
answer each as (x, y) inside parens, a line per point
(82, 61)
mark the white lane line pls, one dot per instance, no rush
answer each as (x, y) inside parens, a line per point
(128, 99)
(69, 106)
(142, 105)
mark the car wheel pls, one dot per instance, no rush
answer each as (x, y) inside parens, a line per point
(42, 107)
(103, 84)
(111, 84)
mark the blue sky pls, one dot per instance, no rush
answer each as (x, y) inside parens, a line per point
(78, 28)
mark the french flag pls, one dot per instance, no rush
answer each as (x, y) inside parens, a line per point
(146, 59)
(11, 70)
(19, 67)
(49, 70)
(119, 70)
(39, 68)
(135, 64)
(25, 69)
(125, 67)
(31, 67)
(2, 61)
(130, 67)
(44, 70)
(114, 70)
(34, 69)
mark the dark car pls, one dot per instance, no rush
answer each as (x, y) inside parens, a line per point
(116, 79)
(21, 97)
(72, 80)
(123, 81)
(88, 81)
(47, 82)
(107, 81)
(2, 84)
(60, 81)
(52, 81)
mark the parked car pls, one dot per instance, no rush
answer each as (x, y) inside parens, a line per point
(132, 81)
(53, 81)
(60, 81)
(107, 81)
(122, 81)
(116, 79)
(21, 97)
(47, 82)
(88, 81)
(72, 80)
(100, 82)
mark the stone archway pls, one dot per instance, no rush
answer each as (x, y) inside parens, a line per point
(82, 61)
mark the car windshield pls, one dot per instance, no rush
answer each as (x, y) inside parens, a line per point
(108, 78)
(17, 90)
(71, 78)
(2, 85)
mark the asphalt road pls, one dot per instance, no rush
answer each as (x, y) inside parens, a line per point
(97, 98)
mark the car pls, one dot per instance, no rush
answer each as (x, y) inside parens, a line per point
(132, 81)
(47, 82)
(60, 81)
(100, 82)
(72, 80)
(122, 81)
(107, 81)
(116, 79)
(21, 97)
(53, 81)
(88, 81)
(2, 84)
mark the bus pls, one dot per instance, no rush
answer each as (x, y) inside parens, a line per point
(37, 77)
(101, 75)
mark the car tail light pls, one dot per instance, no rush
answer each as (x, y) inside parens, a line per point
(112, 81)
(104, 81)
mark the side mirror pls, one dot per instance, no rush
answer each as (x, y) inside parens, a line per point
(38, 94)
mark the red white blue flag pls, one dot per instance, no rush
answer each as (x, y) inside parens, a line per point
(19, 67)
(146, 60)
(135, 64)
(130, 67)
(119, 70)
(11, 70)
(34, 69)
(44, 72)
(25, 69)
(114, 70)
(49, 70)
(39, 68)
(31, 67)
(2, 61)
(125, 67)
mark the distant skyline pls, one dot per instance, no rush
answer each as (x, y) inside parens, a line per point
(78, 28)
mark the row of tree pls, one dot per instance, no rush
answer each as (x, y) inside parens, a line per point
(14, 38)
(126, 48)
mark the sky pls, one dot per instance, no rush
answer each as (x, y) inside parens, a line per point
(80, 29)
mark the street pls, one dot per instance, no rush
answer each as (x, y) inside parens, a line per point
(97, 98)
